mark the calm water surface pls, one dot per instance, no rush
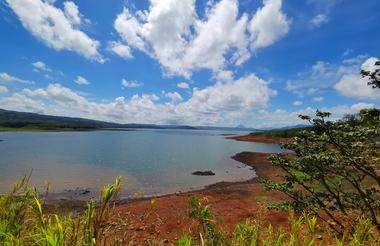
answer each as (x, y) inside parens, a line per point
(151, 162)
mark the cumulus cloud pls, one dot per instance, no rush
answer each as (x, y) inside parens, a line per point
(319, 20)
(183, 85)
(245, 93)
(268, 24)
(323, 8)
(57, 28)
(39, 65)
(224, 103)
(120, 49)
(354, 86)
(81, 81)
(318, 99)
(3, 89)
(371, 65)
(172, 32)
(174, 96)
(281, 118)
(130, 84)
(297, 103)
(324, 75)
(71, 12)
(5, 77)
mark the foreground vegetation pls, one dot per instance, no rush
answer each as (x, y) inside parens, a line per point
(24, 222)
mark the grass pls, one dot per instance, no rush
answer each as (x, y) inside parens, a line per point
(23, 221)
(302, 230)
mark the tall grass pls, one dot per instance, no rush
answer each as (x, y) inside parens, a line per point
(302, 231)
(23, 221)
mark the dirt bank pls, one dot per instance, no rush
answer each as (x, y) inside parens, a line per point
(259, 139)
(167, 220)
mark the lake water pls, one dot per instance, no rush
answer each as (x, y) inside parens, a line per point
(151, 162)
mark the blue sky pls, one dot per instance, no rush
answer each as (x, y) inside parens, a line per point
(227, 62)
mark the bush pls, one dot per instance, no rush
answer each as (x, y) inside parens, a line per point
(334, 169)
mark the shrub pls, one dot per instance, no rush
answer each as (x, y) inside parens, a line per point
(333, 170)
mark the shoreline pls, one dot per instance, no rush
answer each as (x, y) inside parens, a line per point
(233, 201)
(258, 139)
(167, 219)
(256, 160)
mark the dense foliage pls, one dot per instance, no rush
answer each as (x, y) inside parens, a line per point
(334, 168)
(282, 133)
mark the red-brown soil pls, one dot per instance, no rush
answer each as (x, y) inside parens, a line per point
(260, 139)
(166, 220)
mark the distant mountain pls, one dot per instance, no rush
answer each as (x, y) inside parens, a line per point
(14, 119)
(240, 126)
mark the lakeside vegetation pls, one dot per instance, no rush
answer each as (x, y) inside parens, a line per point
(281, 133)
(23, 221)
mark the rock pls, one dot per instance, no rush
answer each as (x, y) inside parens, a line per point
(85, 192)
(204, 173)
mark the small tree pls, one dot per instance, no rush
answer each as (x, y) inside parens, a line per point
(333, 168)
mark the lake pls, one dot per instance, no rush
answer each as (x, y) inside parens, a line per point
(151, 162)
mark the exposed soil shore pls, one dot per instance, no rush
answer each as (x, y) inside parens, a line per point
(259, 139)
(167, 219)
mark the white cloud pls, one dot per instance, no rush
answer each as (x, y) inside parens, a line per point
(360, 106)
(120, 49)
(323, 8)
(58, 29)
(281, 118)
(370, 66)
(268, 24)
(172, 33)
(174, 96)
(353, 85)
(224, 75)
(130, 84)
(318, 99)
(240, 95)
(224, 103)
(319, 20)
(81, 81)
(71, 12)
(323, 75)
(9, 78)
(297, 103)
(39, 65)
(183, 85)
(3, 89)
